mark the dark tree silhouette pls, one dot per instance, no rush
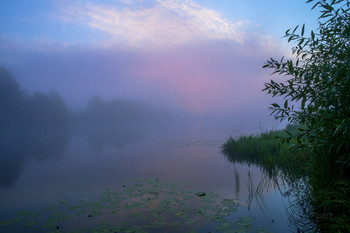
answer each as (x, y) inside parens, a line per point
(36, 126)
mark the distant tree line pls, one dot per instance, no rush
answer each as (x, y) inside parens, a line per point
(19, 109)
(116, 122)
(31, 126)
(40, 125)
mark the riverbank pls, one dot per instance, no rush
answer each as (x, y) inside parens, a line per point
(265, 150)
(325, 204)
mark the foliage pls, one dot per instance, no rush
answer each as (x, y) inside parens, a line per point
(11, 99)
(47, 110)
(20, 110)
(334, 209)
(117, 122)
(317, 96)
(264, 151)
(31, 126)
(319, 81)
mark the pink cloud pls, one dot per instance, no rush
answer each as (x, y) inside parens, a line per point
(203, 78)
(216, 77)
(161, 24)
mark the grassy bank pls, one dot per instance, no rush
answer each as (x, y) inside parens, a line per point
(264, 150)
(328, 200)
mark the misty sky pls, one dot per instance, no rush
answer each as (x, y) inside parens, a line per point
(198, 56)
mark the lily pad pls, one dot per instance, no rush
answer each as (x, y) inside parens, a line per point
(173, 224)
(141, 205)
(30, 224)
(62, 203)
(50, 208)
(11, 221)
(200, 194)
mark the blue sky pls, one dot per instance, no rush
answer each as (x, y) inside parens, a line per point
(199, 56)
(45, 19)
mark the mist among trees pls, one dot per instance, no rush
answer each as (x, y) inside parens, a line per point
(40, 125)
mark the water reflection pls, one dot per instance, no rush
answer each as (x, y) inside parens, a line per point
(194, 162)
(115, 123)
(40, 125)
(32, 126)
(40, 144)
(256, 188)
(237, 183)
(291, 186)
(41, 140)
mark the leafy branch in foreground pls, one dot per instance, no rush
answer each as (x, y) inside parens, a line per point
(318, 81)
(317, 96)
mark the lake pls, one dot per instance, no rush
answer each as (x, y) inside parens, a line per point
(178, 178)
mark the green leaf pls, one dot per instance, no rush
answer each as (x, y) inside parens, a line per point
(303, 30)
(315, 5)
(275, 105)
(291, 38)
(295, 29)
(303, 103)
(328, 7)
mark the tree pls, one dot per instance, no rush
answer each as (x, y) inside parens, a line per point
(12, 100)
(317, 96)
(318, 81)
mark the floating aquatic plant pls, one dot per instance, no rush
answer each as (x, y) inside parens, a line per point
(141, 205)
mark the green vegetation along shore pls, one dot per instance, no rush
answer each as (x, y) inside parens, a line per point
(327, 209)
(264, 150)
(313, 85)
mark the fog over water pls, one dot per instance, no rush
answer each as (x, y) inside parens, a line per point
(53, 149)
(40, 124)
(95, 93)
(78, 118)
(213, 81)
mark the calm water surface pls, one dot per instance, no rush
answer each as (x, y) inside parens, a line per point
(78, 169)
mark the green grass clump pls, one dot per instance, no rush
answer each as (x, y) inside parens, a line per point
(331, 202)
(264, 150)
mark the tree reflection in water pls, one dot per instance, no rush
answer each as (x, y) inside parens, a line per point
(292, 186)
